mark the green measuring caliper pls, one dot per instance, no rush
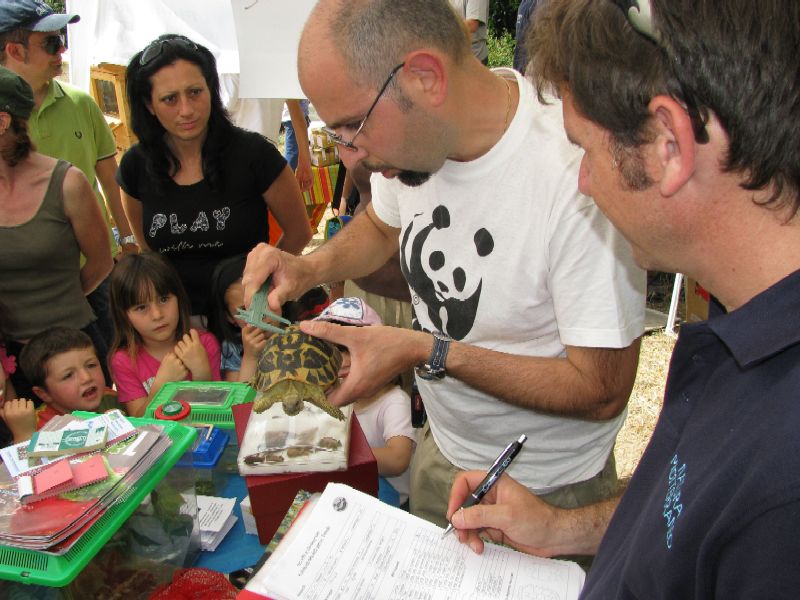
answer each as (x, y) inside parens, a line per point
(258, 311)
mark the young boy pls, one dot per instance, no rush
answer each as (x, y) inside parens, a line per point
(62, 365)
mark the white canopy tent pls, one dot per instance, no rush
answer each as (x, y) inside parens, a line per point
(114, 30)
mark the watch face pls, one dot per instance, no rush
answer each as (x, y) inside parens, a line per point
(428, 374)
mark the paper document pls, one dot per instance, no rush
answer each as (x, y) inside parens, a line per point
(354, 546)
(216, 519)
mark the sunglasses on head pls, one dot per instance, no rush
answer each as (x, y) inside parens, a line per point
(156, 48)
(639, 14)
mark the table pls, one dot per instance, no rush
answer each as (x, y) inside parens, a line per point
(153, 543)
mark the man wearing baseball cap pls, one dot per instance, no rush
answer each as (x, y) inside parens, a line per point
(65, 123)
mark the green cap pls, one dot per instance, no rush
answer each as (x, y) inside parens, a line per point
(16, 96)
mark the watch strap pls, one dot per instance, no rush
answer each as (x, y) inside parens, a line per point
(434, 368)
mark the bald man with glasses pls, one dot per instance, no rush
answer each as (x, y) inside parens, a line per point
(527, 306)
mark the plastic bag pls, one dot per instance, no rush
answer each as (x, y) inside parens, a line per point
(310, 441)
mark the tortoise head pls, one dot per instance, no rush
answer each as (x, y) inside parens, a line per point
(292, 405)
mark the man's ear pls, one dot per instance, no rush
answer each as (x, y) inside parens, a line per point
(5, 122)
(43, 394)
(675, 143)
(426, 71)
(17, 51)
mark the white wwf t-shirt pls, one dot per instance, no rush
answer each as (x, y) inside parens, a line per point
(503, 252)
(388, 417)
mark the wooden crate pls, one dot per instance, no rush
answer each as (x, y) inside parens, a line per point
(108, 90)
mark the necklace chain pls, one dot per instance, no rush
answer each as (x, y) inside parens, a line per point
(508, 104)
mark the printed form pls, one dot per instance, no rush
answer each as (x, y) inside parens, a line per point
(354, 546)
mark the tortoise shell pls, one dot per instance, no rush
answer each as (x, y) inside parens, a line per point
(295, 356)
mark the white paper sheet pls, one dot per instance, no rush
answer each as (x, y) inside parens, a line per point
(268, 33)
(215, 516)
(354, 546)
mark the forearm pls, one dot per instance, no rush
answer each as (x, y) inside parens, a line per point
(294, 240)
(159, 381)
(133, 208)
(202, 372)
(22, 433)
(357, 250)
(248, 368)
(387, 281)
(300, 130)
(391, 462)
(106, 170)
(137, 408)
(580, 530)
(94, 271)
(594, 384)
(285, 202)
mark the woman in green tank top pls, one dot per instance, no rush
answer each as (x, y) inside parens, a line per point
(48, 218)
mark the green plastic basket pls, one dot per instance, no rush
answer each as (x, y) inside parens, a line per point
(33, 567)
(211, 402)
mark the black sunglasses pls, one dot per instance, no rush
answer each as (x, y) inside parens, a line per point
(156, 48)
(639, 15)
(52, 44)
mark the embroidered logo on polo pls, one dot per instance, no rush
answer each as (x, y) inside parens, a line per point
(673, 507)
(431, 260)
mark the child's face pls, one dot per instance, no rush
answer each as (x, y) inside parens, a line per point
(234, 300)
(74, 381)
(156, 320)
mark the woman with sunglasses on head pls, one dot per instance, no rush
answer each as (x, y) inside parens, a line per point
(48, 218)
(196, 187)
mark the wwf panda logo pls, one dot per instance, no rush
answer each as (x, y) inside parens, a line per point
(431, 261)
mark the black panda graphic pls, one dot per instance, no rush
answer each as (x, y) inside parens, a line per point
(451, 294)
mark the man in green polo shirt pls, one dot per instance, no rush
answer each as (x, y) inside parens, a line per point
(66, 123)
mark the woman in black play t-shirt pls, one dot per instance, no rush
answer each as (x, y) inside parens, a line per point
(196, 188)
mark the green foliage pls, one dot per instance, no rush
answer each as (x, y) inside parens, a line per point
(501, 49)
(57, 5)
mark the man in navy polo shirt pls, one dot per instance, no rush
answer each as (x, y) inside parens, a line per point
(687, 114)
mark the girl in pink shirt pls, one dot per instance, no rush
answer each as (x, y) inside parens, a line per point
(153, 343)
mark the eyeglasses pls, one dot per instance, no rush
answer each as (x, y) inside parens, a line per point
(640, 16)
(52, 44)
(156, 48)
(338, 139)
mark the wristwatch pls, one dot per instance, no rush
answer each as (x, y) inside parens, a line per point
(128, 239)
(434, 369)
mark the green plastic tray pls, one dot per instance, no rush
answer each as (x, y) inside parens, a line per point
(224, 395)
(33, 567)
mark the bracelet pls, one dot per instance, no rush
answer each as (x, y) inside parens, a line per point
(128, 239)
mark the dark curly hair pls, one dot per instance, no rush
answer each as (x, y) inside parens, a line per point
(737, 59)
(161, 162)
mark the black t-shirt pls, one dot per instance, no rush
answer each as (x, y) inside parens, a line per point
(195, 226)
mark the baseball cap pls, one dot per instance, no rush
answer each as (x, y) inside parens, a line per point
(32, 14)
(350, 311)
(16, 96)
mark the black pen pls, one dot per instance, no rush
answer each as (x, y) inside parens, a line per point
(497, 469)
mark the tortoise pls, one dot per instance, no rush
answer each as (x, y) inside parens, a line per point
(295, 367)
